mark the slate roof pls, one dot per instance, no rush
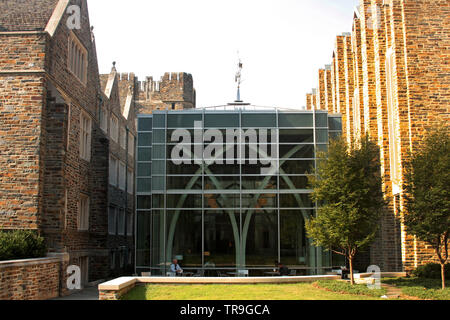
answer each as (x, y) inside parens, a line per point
(25, 15)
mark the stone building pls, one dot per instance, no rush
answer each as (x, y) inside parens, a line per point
(390, 78)
(117, 120)
(175, 91)
(55, 148)
(68, 136)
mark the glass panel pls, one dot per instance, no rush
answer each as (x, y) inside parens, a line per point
(335, 123)
(181, 201)
(158, 201)
(222, 120)
(222, 183)
(262, 238)
(144, 202)
(182, 120)
(259, 120)
(158, 183)
(297, 167)
(144, 169)
(290, 120)
(297, 200)
(159, 120)
(144, 185)
(157, 240)
(158, 167)
(145, 124)
(322, 120)
(144, 154)
(159, 136)
(297, 151)
(293, 241)
(184, 238)
(296, 136)
(257, 201)
(322, 136)
(175, 141)
(221, 230)
(181, 183)
(143, 238)
(159, 152)
(293, 182)
(145, 140)
(222, 200)
(219, 169)
(259, 183)
(183, 169)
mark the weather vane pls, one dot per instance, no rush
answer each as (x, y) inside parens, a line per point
(238, 79)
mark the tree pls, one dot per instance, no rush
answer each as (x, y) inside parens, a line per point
(426, 186)
(348, 185)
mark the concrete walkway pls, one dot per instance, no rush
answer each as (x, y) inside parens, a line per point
(88, 293)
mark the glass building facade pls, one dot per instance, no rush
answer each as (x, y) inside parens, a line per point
(218, 214)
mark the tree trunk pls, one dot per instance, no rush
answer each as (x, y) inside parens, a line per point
(443, 275)
(352, 279)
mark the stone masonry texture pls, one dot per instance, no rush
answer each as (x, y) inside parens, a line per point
(417, 32)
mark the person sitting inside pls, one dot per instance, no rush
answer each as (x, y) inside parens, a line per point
(283, 270)
(175, 268)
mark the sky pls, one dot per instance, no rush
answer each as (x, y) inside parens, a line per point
(282, 44)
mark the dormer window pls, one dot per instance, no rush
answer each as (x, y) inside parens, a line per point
(77, 59)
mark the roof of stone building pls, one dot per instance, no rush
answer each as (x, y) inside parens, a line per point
(25, 15)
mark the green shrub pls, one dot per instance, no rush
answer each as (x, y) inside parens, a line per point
(346, 287)
(431, 271)
(21, 244)
(423, 288)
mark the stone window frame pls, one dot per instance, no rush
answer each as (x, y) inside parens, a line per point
(130, 221)
(112, 224)
(77, 58)
(121, 221)
(83, 212)
(104, 119)
(130, 181)
(123, 137)
(394, 152)
(113, 172)
(114, 128)
(122, 179)
(131, 139)
(85, 136)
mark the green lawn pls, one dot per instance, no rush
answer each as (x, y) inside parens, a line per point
(421, 288)
(301, 291)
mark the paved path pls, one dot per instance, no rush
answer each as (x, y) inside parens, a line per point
(89, 293)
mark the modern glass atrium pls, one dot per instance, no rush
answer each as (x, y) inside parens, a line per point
(240, 206)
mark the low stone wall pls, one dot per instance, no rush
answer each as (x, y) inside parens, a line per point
(115, 289)
(31, 279)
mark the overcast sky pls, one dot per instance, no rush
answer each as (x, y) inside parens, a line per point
(282, 43)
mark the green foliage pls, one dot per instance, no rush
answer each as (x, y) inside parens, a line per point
(431, 271)
(21, 244)
(345, 287)
(427, 182)
(420, 287)
(348, 185)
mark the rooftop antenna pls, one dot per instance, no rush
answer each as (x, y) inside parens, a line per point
(238, 79)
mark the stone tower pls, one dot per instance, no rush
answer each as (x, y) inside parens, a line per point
(175, 91)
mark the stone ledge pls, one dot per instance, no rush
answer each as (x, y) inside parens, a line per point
(382, 275)
(27, 262)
